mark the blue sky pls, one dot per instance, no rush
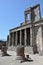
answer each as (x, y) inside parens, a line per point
(12, 14)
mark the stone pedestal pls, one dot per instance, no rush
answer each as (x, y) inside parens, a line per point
(4, 50)
(20, 53)
(35, 49)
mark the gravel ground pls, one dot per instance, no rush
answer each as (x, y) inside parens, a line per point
(11, 60)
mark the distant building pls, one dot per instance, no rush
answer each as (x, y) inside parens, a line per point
(30, 32)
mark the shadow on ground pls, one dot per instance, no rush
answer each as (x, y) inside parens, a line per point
(27, 60)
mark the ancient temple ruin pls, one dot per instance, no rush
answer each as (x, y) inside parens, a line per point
(30, 32)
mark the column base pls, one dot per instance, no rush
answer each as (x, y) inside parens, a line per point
(20, 57)
(41, 53)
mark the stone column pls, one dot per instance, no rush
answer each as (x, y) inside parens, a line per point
(25, 37)
(40, 32)
(20, 37)
(26, 18)
(7, 43)
(42, 39)
(13, 39)
(10, 39)
(34, 40)
(16, 39)
(31, 36)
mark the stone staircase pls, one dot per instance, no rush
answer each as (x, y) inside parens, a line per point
(11, 48)
(28, 49)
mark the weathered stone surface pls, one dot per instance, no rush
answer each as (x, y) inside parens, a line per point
(35, 49)
(4, 51)
(20, 53)
(32, 31)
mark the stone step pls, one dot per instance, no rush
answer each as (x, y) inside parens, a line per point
(11, 48)
(28, 49)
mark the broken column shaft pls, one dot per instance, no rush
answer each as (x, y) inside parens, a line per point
(20, 53)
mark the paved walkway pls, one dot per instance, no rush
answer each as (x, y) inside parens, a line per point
(11, 60)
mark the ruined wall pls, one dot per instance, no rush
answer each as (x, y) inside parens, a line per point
(38, 38)
(35, 14)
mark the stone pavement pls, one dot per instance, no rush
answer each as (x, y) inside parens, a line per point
(11, 60)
